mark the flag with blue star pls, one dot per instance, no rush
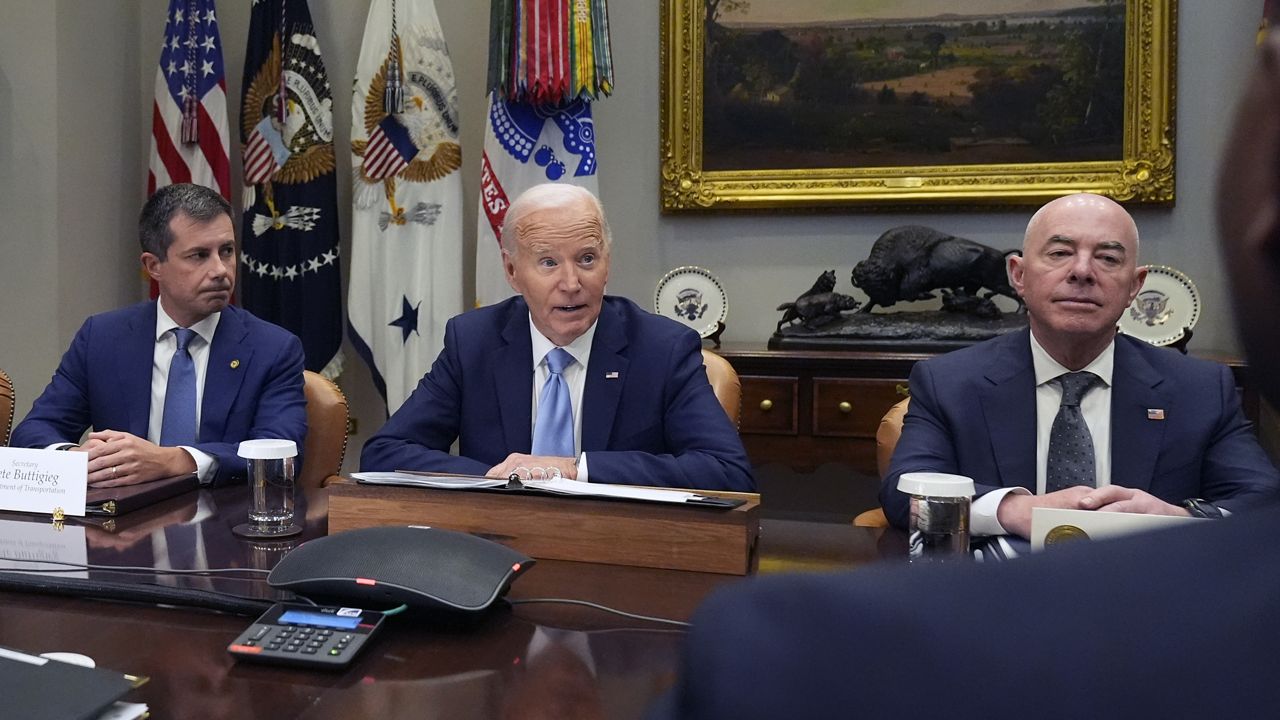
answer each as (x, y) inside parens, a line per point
(290, 274)
(406, 219)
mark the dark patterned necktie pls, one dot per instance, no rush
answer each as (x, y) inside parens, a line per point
(1071, 460)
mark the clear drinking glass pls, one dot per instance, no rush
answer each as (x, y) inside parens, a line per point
(939, 527)
(271, 487)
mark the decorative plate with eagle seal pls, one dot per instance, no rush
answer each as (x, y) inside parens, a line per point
(1166, 306)
(693, 296)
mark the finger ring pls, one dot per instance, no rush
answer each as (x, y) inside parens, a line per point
(113, 471)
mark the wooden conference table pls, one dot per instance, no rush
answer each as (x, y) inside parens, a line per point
(526, 661)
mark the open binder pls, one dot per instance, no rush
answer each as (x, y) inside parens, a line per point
(550, 486)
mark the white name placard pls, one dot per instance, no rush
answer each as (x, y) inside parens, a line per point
(43, 481)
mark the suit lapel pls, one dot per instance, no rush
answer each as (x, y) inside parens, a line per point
(606, 375)
(1135, 440)
(513, 378)
(229, 359)
(135, 372)
(1009, 405)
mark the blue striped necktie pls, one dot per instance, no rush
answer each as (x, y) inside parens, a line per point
(179, 424)
(553, 430)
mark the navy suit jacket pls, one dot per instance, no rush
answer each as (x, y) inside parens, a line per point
(1179, 623)
(649, 416)
(973, 413)
(252, 387)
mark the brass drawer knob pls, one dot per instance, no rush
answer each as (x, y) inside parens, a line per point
(845, 407)
(766, 405)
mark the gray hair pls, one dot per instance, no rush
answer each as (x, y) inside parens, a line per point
(547, 196)
(197, 202)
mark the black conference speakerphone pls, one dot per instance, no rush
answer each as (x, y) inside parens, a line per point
(307, 635)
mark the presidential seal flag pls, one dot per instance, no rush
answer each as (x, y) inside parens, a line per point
(548, 59)
(406, 234)
(289, 237)
(189, 136)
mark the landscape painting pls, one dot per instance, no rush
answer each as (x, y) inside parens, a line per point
(815, 103)
(879, 83)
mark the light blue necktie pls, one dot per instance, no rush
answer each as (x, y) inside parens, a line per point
(553, 432)
(179, 424)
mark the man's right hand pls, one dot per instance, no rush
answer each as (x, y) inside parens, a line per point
(1014, 512)
(119, 458)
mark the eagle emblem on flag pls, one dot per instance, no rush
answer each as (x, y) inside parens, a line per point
(419, 144)
(289, 228)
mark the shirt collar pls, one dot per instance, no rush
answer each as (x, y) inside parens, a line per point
(1048, 369)
(205, 328)
(580, 348)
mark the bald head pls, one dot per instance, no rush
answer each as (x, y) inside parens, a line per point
(1067, 207)
(1077, 274)
(582, 208)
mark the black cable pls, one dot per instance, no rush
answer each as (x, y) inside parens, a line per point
(73, 567)
(597, 606)
(132, 592)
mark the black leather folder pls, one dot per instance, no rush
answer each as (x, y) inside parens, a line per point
(120, 500)
(56, 690)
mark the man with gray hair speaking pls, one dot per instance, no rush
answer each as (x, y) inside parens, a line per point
(564, 377)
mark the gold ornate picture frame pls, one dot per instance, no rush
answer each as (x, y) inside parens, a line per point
(695, 178)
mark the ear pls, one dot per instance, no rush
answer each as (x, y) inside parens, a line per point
(151, 264)
(1014, 267)
(509, 266)
(1139, 277)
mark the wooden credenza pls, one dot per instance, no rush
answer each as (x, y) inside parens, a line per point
(805, 409)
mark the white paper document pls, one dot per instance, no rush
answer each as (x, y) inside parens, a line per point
(1068, 525)
(433, 480)
(559, 486)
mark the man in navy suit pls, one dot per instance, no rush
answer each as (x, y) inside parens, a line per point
(1171, 624)
(1168, 433)
(642, 409)
(246, 374)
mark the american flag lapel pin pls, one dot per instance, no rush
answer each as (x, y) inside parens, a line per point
(611, 375)
(1155, 413)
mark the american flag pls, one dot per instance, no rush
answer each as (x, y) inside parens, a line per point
(390, 150)
(264, 153)
(190, 86)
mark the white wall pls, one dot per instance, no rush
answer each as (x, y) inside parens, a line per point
(69, 189)
(68, 161)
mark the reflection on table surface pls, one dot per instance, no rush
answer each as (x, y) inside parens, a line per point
(523, 661)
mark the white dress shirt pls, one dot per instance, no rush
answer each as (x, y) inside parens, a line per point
(1095, 406)
(575, 376)
(166, 346)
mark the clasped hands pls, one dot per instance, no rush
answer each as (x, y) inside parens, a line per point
(566, 466)
(119, 458)
(1014, 512)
